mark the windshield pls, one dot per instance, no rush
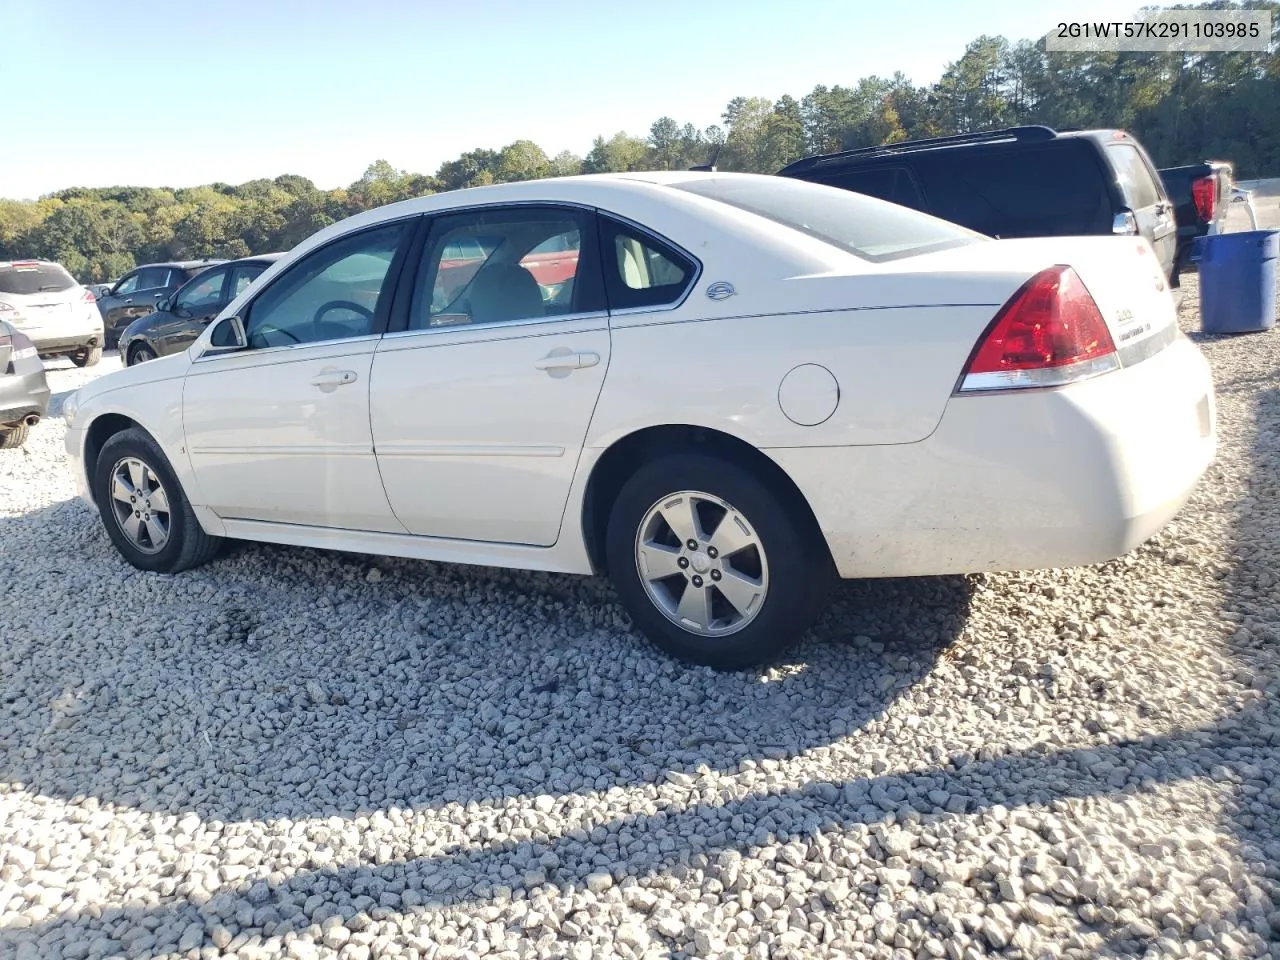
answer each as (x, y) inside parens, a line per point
(27, 278)
(870, 228)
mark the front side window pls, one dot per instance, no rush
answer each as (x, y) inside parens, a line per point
(865, 226)
(126, 286)
(501, 266)
(1136, 182)
(331, 294)
(201, 294)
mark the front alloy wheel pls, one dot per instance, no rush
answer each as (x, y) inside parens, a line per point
(140, 505)
(717, 563)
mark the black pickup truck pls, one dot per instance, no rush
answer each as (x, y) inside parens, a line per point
(1200, 193)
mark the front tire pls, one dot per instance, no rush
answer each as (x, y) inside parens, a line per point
(87, 356)
(715, 566)
(143, 507)
(140, 354)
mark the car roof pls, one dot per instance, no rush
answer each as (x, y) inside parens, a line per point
(1010, 137)
(179, 264)
(586, 190)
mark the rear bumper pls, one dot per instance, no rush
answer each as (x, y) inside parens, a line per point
(1044, 479)
(67, 343)
(67, 336)
(22, 395)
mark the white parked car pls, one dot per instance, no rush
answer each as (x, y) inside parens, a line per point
(720, 389)
(57, 314)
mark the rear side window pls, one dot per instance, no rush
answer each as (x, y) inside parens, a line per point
(24, 279)
(1022, 191)
(151, 278)
(894, 184)
(864, 226)
(1134, 176)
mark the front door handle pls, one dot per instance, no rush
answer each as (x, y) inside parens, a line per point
(566, 360)
(333, 378)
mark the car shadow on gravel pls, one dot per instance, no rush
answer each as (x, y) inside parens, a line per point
(810, 816)
(289, 683)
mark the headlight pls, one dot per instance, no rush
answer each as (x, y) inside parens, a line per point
(69, 407)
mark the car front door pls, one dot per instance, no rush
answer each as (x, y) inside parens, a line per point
(279, 431)
(115, 305)
(190, 311)
(482, 395)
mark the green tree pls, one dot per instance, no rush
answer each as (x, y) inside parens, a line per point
(522, 160)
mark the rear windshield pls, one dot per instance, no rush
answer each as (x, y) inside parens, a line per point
(1140, 190)
(25, 279)
(865, 226)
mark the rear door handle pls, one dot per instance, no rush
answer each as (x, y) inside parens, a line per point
(567, 361)
(333, 378)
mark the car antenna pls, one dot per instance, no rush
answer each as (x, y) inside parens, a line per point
(710, 165)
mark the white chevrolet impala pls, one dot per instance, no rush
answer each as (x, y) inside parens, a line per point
(721, 390)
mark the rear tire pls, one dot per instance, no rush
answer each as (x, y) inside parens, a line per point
(753, 543)
(175, 541)
(87, 356)
(13, 437)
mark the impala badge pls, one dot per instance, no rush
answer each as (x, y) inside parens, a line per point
(721, 290)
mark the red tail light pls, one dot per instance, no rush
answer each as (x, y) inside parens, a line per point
(88, 296)
(1204, 192)
(1049, 333)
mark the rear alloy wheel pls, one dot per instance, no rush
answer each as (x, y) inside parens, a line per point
(87, 356)
(715, 566)
(140, 354)
(13, 437)
(143, 508)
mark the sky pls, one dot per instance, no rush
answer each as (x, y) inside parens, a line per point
(150, 93)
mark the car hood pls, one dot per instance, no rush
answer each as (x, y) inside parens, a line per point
(153, 371)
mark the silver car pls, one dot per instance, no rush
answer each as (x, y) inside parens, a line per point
(60, 316)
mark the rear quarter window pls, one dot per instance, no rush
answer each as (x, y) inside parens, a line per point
(24, 279)
(1024, 191)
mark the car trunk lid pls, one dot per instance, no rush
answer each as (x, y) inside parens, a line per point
(1122, 275)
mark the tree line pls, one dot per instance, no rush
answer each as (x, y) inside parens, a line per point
(1183, 107)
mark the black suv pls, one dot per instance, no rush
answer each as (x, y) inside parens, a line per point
(137, 292)
(1021, 182)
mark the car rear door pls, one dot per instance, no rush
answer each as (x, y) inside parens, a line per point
(481, 399)
(1144, 194)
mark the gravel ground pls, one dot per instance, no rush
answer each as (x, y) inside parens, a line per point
(300, 754)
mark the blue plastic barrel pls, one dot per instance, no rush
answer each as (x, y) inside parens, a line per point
(1237, 280)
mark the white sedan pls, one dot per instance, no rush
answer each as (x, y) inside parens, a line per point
(722, 390)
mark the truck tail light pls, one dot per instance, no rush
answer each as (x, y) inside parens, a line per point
(1204, 192)
(1048, 334)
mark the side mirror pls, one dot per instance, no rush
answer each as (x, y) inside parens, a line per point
(228, 335)
(164, 306)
